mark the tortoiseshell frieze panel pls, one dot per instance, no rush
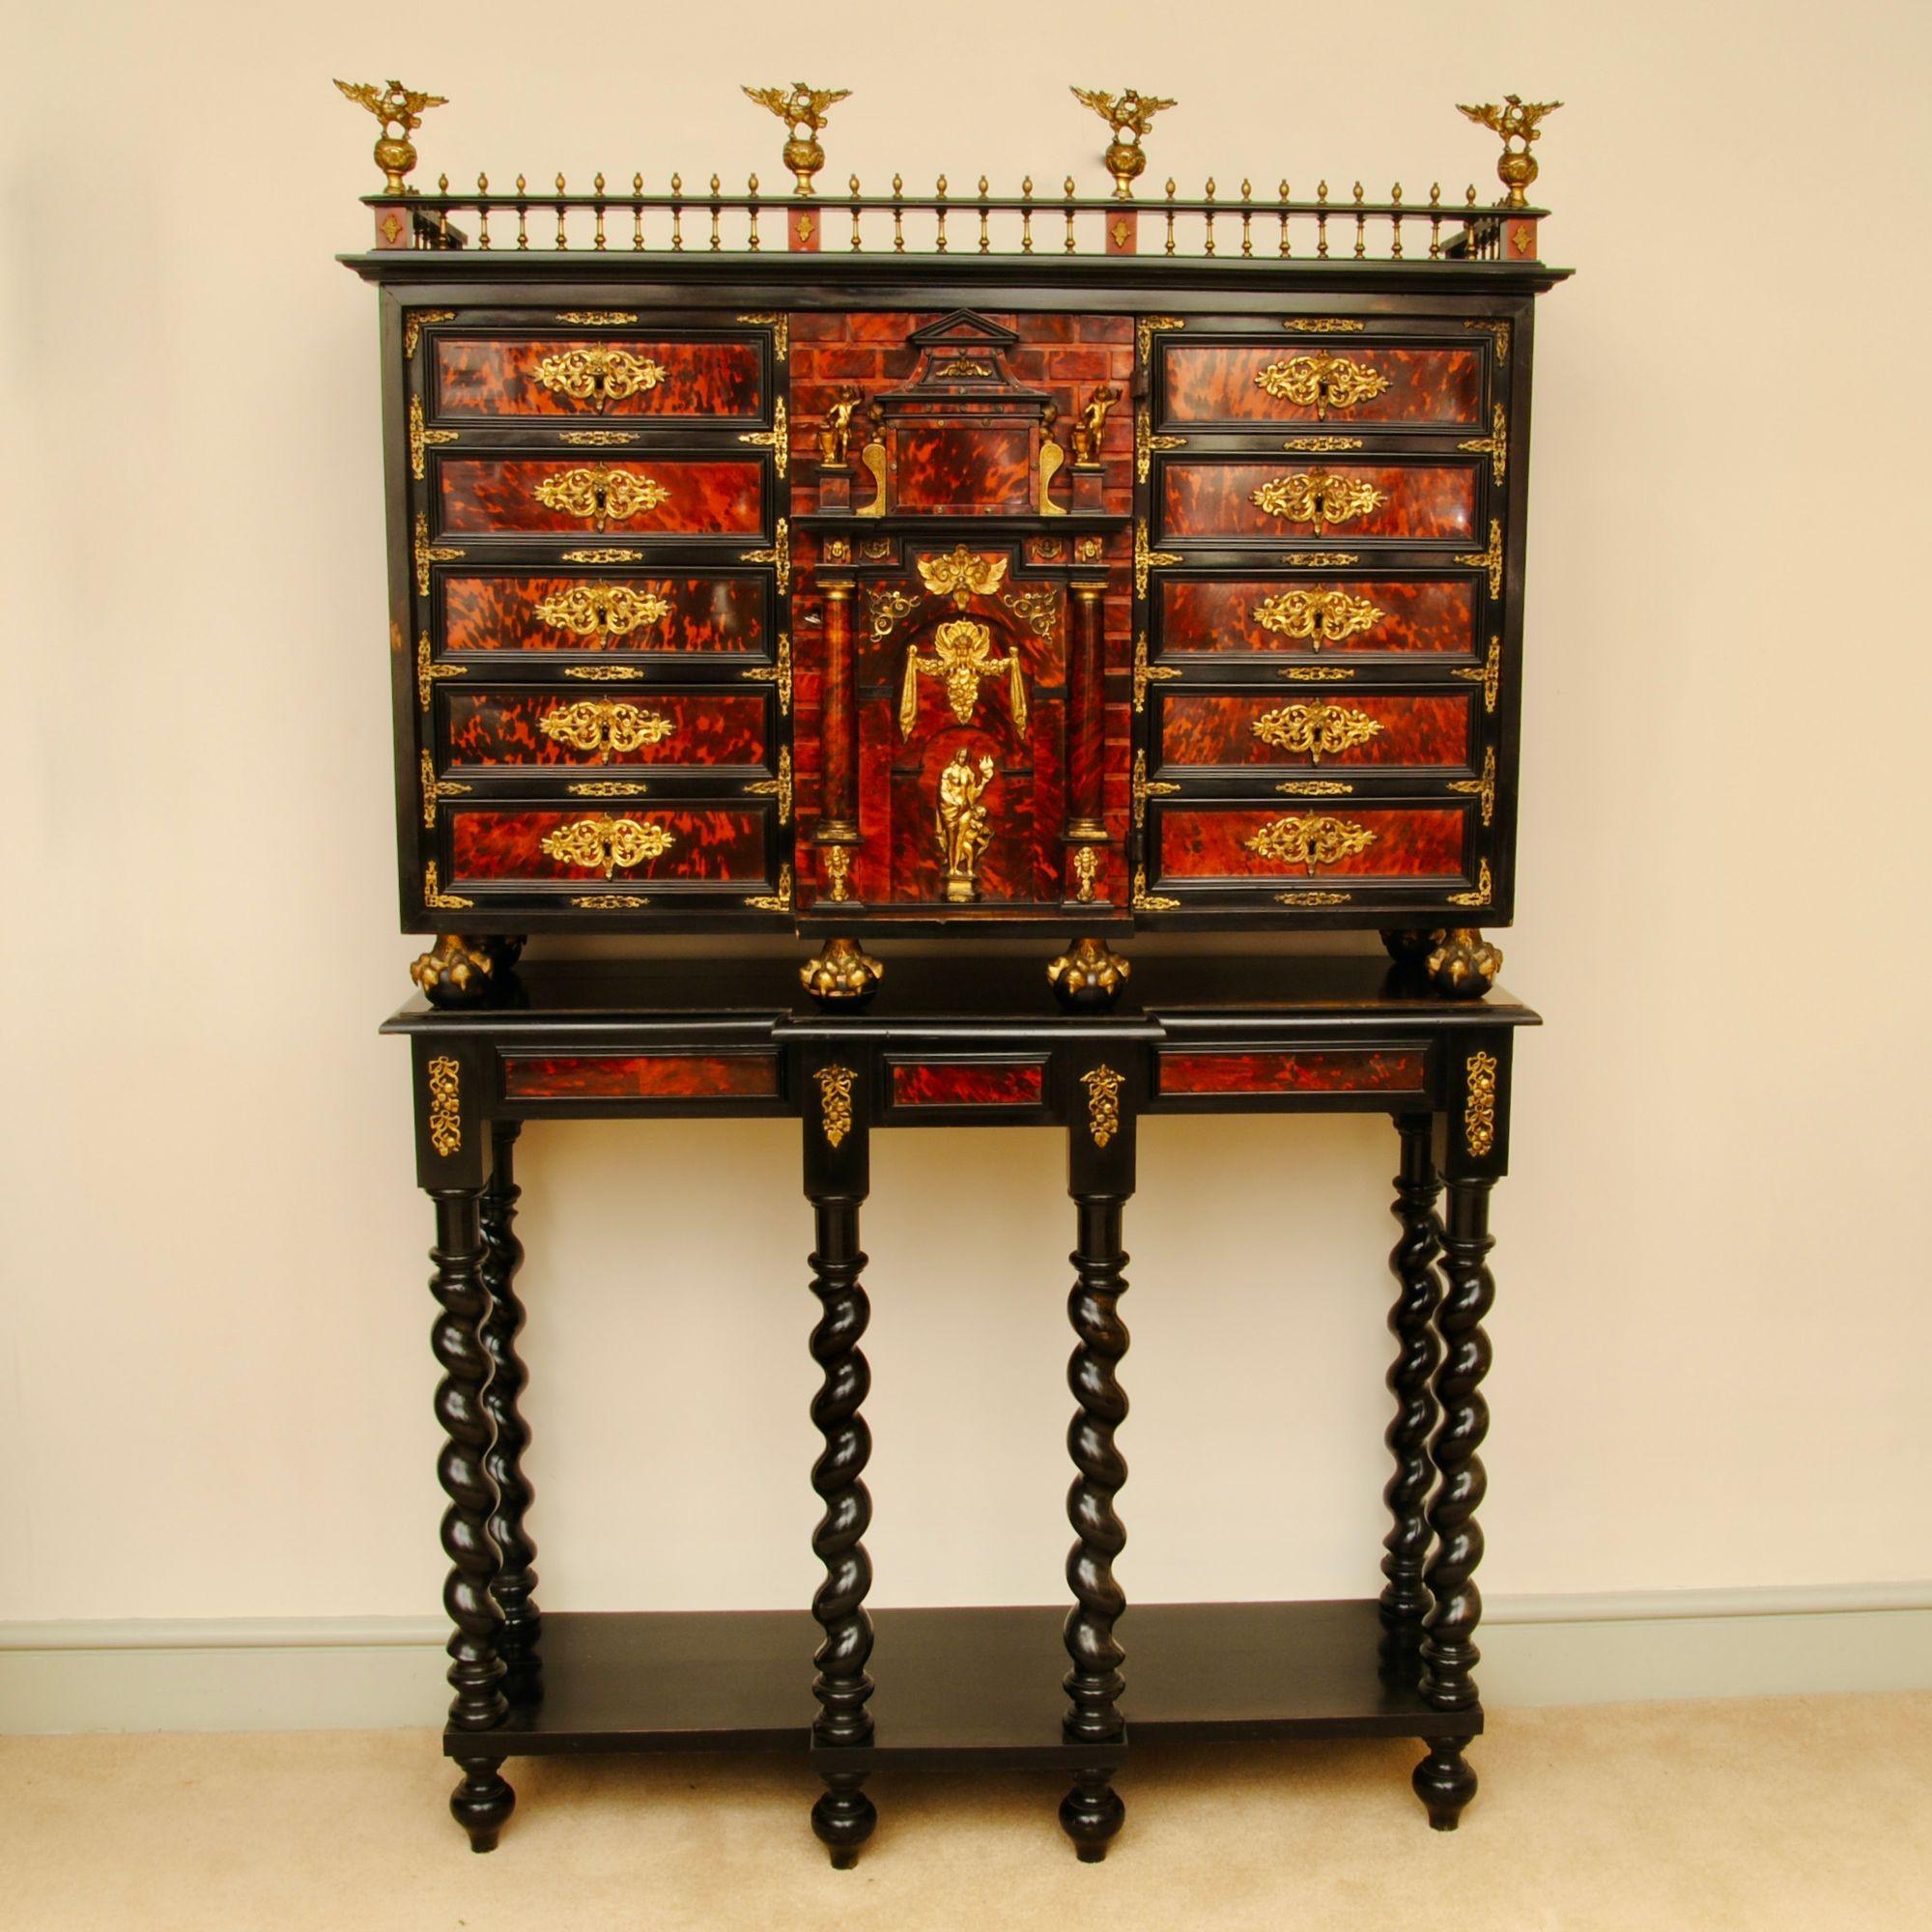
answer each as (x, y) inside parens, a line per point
(642, 1076)
(963, 1084)
(1326, 1070)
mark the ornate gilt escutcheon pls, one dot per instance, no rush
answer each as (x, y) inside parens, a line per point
(604, 726)
(602, 610)
(1321, 382)
(1317, 730)
(601, 843)
(1321, 497)
(1311, 842)
(963, 654)
(1319, 616)
(600, 495)
(596, 374)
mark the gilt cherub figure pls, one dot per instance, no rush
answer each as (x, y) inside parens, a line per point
(834, 433)
(399, 107)
(1090, 426)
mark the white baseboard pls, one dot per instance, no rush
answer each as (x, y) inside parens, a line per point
(362, 1673)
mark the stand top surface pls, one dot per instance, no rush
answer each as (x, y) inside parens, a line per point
(1351, 992)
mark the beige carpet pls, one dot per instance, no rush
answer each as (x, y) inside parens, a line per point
(1754, 1814)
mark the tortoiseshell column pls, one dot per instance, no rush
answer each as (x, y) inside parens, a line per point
(839, 814)
(1086, 733)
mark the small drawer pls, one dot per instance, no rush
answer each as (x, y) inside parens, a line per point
(1311, 617)
(1200, 844)
(691, 496)
(510, 613)
(1245, 730)
(485, 727)
(640, 1076)
(1254, 1071)
(681, 379)
(1208, 385)
(593, 849)
(1246, 500)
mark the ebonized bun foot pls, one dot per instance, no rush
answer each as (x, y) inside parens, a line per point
(462, 971)
(844, 1817)
(1088, 976)
(1445, 1781)
(844, 975)
(1092, 1814)
(482, 1802)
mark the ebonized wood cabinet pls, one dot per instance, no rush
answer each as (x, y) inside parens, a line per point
(958, 570)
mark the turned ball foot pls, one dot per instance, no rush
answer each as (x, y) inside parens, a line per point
(462, 971)
(1091, 1814)
(1455, 961)
(843, 1818)
(1444, 1781)
(844, 975)
(482, 1802)
(1088, 976)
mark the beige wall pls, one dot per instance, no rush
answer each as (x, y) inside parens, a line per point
(1714, 1316)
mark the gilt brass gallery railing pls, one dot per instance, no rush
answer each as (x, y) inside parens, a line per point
(1333, 225)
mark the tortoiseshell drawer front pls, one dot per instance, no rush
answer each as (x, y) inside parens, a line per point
(486, 728)
(608, 374)
(1198, 843)
(1240, 384)
(1313, 617)
(511, 612)
(666, 497)
(1205, 729)
(640, 1076)
(1329, 500)
(609, 850)
(1191, 1073)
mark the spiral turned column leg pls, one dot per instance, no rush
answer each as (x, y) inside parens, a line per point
(1091, 1812)
(483, 1800)
(1443, 1780)
(1405, 1602)
(844, 1817)
(503, 1256)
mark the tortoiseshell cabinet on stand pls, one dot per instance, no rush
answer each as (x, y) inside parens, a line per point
(974, 573)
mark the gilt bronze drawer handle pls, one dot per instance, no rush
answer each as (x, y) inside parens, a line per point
(1320, 617)
(1321, 382)
(599, 375)
(602, 843)
(604, 726)
(1316, 729)
(1321, 499)
(1311, 842)
(599, 492)
(602, 610)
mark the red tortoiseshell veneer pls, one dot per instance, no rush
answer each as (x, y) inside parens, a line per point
(505, 728)
(710, 615)
(1224, 616)
(1221, 730)
(1343, 1071)
(489, 846)
(696, 380)
(645, 1076)
(1432, 502)
(958, 1084)
(962, 472)
(1208, 384)
(701, 498)
(1208, 842)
